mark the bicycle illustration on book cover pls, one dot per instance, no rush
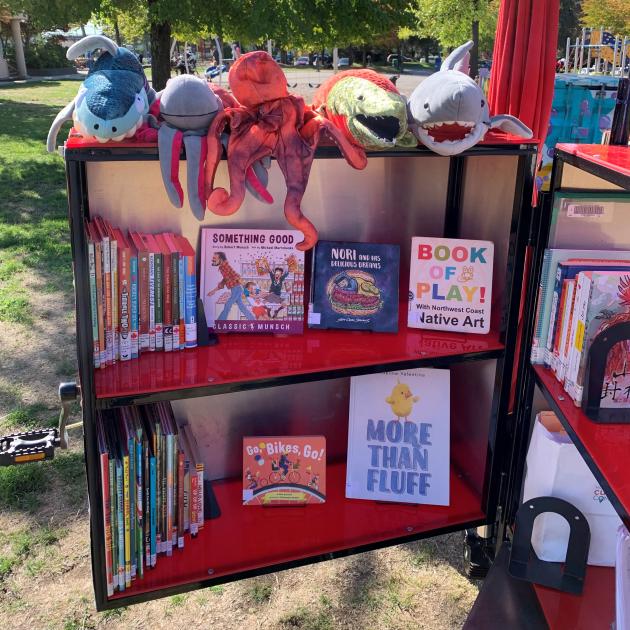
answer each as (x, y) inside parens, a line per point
(284, 470)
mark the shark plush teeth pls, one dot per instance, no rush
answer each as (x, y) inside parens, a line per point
(448, 111)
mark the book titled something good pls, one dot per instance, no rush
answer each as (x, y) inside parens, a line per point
(450, 284)
(398, 437)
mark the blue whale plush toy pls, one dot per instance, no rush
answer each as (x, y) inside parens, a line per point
(113, 101)
(448, 111)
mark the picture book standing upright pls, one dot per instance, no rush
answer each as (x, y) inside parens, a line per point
(399, 437)
(252, 280)
(450, 284)
(355, 286)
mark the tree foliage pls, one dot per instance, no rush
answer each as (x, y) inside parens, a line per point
(613, 15)
(569, 22)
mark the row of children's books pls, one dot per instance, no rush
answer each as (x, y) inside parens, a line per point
(143, 292)
(152, 489)
(581, 294)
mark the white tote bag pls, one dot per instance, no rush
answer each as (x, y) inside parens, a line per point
(556, 469)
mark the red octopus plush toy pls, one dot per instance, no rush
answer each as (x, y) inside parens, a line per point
(269, 122)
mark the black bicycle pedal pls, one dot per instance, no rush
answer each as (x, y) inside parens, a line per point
(28, 446)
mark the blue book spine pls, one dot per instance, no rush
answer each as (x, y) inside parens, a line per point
(182, 294)
(135, 338)
(191, 303)
(538, 347)
(139, 515)
(153, 484)
(121, 525)
(132, 505)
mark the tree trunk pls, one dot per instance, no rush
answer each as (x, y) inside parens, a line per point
(284, 57)
(160, 55)
(474, 51)
(401, 63)
(117, 32)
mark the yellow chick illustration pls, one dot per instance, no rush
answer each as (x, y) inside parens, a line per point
(401, 400)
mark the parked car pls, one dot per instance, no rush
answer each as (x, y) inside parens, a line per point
(215, 71)
(325, 63)
(344, 62)
(301, 61)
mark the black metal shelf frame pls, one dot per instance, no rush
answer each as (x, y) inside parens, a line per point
(499, 447)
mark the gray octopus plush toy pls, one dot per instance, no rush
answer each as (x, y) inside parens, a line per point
(448, 111)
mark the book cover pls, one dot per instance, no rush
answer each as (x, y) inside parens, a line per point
(604, 299)
(284, 470)
(450, 284)
(250, 278)
(399, 437)
(355, 286)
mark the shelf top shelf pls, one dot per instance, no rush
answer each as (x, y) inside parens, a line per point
(605, 447)
(594, 608)
(609, 162)
(495, 143)
(250, 538)
(249, 361)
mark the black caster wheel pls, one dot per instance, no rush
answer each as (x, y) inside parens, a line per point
(477, 560)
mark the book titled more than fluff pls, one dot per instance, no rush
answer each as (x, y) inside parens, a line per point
(450, 284)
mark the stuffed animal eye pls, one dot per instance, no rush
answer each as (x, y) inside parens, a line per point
(96, 126)
(483, 102)
(426, 105)
(114, 129)
(360, 97)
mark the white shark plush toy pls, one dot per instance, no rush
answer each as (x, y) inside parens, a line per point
(448, 111)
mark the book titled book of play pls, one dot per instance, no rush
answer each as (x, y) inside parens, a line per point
(450, 284)
(252, 280)
(398, 437)
(355, 286)
(284, 470)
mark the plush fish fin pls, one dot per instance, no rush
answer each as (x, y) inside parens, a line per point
(459, 59)
(63, 116)
(510, 124)
(408, 140)
(91, 42)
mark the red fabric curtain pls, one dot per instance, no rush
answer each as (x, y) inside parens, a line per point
(524, 62)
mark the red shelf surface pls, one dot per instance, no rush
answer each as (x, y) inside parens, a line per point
(605, 447)
(246, 538)
(260, 360)
(594, 609)
(611, 157)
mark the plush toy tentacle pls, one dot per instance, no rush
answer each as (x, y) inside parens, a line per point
(214, 150)
(256, 180)
(170, 146)
(354, 154)
(196, 149)
(91, 43)
(63, 116)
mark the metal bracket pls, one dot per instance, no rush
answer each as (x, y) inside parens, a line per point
(68, 393)
(526, 565)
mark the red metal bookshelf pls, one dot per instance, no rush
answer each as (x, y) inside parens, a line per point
(244, 539)
(593, 609)
(605, 447)
(241, 360)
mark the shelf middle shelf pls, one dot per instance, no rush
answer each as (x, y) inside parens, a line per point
(250, 361)
(605, 447)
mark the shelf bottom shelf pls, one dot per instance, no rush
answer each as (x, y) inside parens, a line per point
(249, 538)
(592, 610)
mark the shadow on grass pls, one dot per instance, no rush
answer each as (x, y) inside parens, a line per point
(27, 121)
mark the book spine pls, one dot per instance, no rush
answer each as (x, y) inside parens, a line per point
(163, 492)
(100, 294)
(120, 508)
(107, 302)
(175, 493)
(93, 309)
(153, 482)
(180, 499)
(554, 318)
(151, 302)
(564, 333)
(147, 506)
(113, 249)
(194, 483)
(538, 345)
(182, 302)
(127, 521)
(186, 494)
(158, 486)
(125, 319)
(175, 299)
(143, 301)
(107, 523)
(169, 494)
(132, 506)
(113, 520)
(555, 351)
(577, 333)
(200, 501)
(168, 304)
(139, 511)
(135, 333)
(191, 303)
(159, 302)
